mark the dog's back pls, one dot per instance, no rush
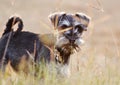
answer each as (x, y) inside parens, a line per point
(21, 45)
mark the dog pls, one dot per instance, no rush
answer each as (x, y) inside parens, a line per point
(70, 28)
(19, 45)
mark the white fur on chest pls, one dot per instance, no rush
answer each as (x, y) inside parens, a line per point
(63, 70)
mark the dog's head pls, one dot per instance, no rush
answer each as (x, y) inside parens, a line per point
(70, 28)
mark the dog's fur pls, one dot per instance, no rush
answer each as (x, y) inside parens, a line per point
(11, 22)
(70, 28)
(22, 44)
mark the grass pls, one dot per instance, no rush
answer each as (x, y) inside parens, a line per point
(89, 74)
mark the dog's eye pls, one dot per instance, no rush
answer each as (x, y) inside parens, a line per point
(80, 29)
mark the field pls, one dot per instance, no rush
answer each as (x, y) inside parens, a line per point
(98, 63)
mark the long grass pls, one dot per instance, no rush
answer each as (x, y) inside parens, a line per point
(89, 74)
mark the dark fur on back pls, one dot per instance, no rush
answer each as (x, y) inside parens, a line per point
(11, 22)
(18, 47)
(21, 45)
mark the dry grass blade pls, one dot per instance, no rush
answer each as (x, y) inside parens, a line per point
(65, 30)
(99, 7)
(4, 54)
(56, 32)
(115, 43)
(56, 22)
(10, 70)
(31, 57)
(34, 48)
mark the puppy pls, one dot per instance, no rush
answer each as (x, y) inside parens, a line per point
(19, 45)
(70, 28)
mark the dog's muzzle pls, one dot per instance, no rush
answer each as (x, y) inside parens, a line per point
(71, 37)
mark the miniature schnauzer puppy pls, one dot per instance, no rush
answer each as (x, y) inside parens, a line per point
(70, 28)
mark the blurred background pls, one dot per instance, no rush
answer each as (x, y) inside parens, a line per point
(102, 42)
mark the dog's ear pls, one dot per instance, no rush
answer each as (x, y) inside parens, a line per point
(84, 19)
(54, 18)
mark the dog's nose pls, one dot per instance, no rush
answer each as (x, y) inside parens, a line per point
(72, 41)
(71, 37)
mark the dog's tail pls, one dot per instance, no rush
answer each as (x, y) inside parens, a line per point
(11, 22)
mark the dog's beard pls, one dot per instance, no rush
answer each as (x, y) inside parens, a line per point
(79, 41)
(65, 44)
